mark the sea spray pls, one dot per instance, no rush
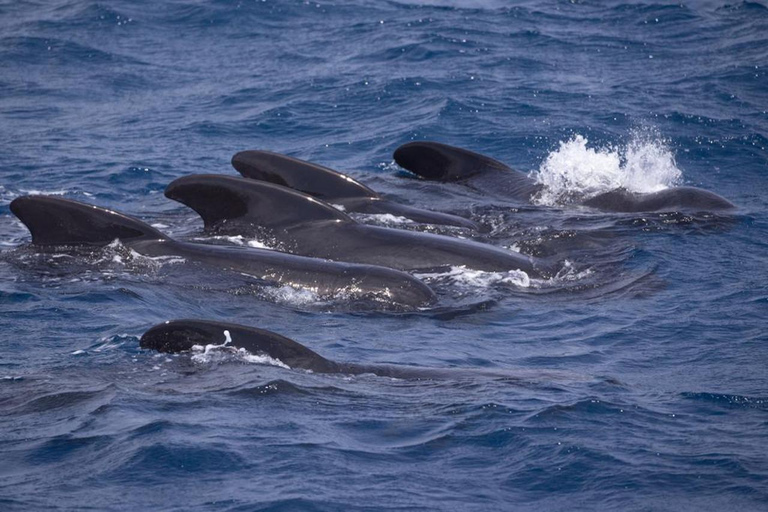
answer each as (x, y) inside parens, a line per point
(575, 172)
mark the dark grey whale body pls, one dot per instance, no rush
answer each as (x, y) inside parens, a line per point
(307, 226)
(441, 162)
(55, 221)
(332, 187)
(182, 335)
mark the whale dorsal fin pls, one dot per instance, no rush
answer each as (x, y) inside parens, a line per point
(441, 162)
(58, 221)
(221, 199)
(182, 335)
(307, 177)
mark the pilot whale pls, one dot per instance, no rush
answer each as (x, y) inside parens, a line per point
(189, 335)
(333, 187)
(441, 162)
(307, 226)
(55, 221)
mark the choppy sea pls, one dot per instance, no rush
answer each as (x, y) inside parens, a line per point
(638, 376)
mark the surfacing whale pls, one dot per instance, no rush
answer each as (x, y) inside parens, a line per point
(333, 187)
(200, 335)
(54, 221)
(441, 162)
(307, 226)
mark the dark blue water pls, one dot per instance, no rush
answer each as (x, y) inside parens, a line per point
(638, 377)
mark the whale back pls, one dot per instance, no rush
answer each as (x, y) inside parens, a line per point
(307, 177)
(689, 199)
(59, 221)
(225, 200)
(441, 162)
(182, 335)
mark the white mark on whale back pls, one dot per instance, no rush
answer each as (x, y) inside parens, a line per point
(575, 172)
(213, 352)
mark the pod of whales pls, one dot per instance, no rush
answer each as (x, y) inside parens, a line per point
(308, 226)
(441, 162)
(54, 221)
(332, 187)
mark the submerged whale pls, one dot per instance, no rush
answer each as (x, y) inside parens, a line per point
(307, 226)
(204, 335)
(332, 187)
(55, 221)
(441, 162)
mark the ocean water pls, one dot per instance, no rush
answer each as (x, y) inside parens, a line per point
(638, 376)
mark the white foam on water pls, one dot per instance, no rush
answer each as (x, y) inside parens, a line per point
(294, 296)
(117, 252)
(154, 261)
(236, 240)
(569, 273)
(575, 172)
(239, 240)
(246, 356)
(463, 276)
(36, 192)
(383, 219)
(211, 352)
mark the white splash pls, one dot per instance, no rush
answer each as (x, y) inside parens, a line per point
(258, 245)
(574, 171)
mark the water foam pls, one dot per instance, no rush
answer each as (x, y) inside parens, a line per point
(211, 352)
(117, 252)
(575, 172)
(294, 296)
(238, 240)
(463, 276)
(383, 219)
